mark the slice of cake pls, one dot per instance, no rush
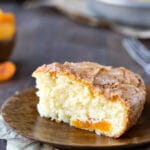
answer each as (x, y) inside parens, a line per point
(90, 96)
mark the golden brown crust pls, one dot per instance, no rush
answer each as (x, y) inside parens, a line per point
(113, 83)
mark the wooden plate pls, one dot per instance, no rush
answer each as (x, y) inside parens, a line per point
(20, 113)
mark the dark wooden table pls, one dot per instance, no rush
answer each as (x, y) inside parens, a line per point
(44, 36)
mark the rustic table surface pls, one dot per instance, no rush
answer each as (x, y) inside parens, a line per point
(44, 36)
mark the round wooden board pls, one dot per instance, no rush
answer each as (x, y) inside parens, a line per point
(20, 113)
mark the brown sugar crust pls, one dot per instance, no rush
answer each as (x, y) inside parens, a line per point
(113, 83)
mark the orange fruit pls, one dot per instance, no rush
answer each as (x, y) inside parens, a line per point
(7, 70)
(7, 25)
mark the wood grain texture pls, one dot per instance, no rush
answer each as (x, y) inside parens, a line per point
(20, 113)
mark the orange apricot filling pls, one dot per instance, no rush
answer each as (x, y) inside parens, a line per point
(7, 70)
(100, 126)
(7, 25)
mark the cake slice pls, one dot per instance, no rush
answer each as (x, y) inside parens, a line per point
(90, 96)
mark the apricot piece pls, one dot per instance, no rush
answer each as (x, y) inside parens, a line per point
(7, 17)
(7, 70)
(81, 124)
(6, 31)
(1, 15)
(101, 126)
(7, 25)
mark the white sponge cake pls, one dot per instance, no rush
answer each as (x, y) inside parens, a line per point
(90, 96)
